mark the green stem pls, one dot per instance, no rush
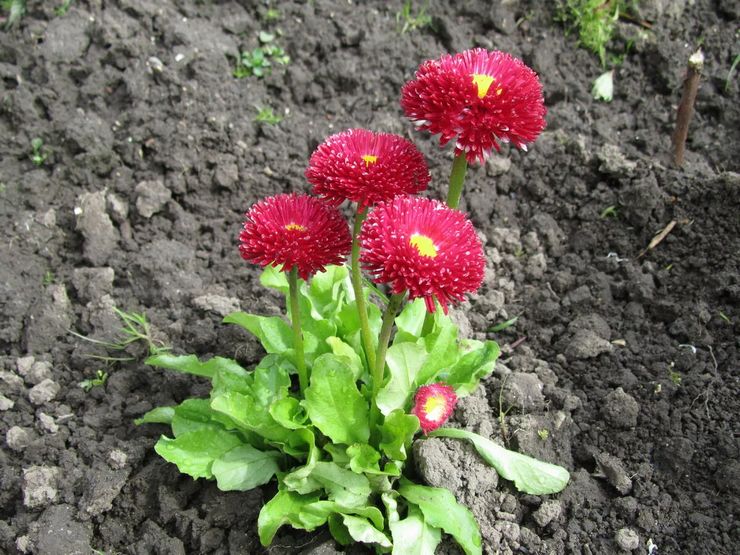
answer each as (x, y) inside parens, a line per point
(457, 178)
(367, 338)
(385, 335)
(295, 312)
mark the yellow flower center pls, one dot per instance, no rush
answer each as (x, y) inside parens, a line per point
(369, 159)
(434, 408)
(424, 245)
(295, 227)
(483, 82)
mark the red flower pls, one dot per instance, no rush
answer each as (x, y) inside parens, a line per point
(366, 167)
(478, 98)
(424, 247)
(295, 230)
(433, 405)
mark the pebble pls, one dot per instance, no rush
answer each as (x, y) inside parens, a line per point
(117, 459)
(151, 197)
(17, 438)
(43, 392)
(627, 539)
(40, 486)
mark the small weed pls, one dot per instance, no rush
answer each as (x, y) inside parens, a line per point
(675, 377)
(98, 381)
(49, 278)
(406, 21)
(63, 8)
(134, 327)
(668, 267)
(266, 115)
(725, 317)
(503, 325)
(544, 433)
(38, 152)
(730, 73)
(519, 252)
(3, 187)
(259, 62)
(16, 9)
(273, 14)
(609, 212)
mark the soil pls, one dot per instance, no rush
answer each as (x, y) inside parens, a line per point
(623, 364)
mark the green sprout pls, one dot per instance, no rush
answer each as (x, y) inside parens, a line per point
(503, 325)
(134, 327)
(98, 381)
(266, 115)
(48, 278)
(725, 317)
(675, 377)
(544, 433)
(408, 22)
(38, 152)
(16, 10)
(259, 62)
(273, 14)
(63, 8)
(609, 212)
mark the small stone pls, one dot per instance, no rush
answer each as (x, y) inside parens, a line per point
(43, 392)
(40, 486)
(217, 303)
(47, 423)
(11, 382)
(586, 344)
(37, 373)
(151, 197)
(5, 403)
(620, 409)
(17, 438)
(627, 539)
(614, 471)
(117, 459)
(549, 510)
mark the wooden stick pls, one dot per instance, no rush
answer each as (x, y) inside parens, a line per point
(686, 106)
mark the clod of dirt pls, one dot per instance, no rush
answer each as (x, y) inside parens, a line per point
(99, 234)
(17, 438)
(101, 489)
(613, 163)
(586, 344)
(40, 486)
(523, 391)
(613, 470)
(92, 283)
(43, 392)
(35, 372)
(5, 403)
(151, 196)
(57, 532)
(219, 304)
(11, 383)
(620, 409)
(452, 465)
(549, 510)
(48, 320)
(627, 539)
(67, 38)
(47, 423)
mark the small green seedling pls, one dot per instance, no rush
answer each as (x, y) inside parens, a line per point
(503, 325)
(544, 433)
(49, 278)
(98, 381)
(273, 14)
(259, 61)
(609, 212)
(675, 377)
(406, 21)
(134, 327)
(725, 317)
(266, 115)
(15, 9)
(38, 152)
(63, 8)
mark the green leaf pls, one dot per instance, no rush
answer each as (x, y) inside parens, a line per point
(275, 278)
(528, 474)
(191, 365)
(413, 535)
(338, 530)
(503, 325)
(343, 486)
(273, 332)
(363, 459)
(404, 361)
(334, 404)
(441, 347)
(284, 508)
(244, 468)
(250, 414)
(191, 415)
(346, 352)
(300, 480)
(270, 379)
(441, 510)
(325, 291)
(231, 379)
(338, 454)
(159, 415)
(410, 321)
(316, 514)
(397, 432)
(289, 413)
(363, 531)
(194, 452)
(465, 374)
(349, 321)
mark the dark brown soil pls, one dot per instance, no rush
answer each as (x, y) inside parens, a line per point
(623, 365)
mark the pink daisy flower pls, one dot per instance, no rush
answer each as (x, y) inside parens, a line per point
(477, 98)
(366, 168)
(433, 405)
(295, 231)
(424, 247)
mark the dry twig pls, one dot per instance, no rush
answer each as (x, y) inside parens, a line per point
(686, 106)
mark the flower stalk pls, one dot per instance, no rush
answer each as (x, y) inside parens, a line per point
(367, 340)
(457, 179)
(295, 313)
(385, 335)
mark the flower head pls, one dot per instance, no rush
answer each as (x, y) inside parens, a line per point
(478, 98)
(366, 167)
(433, 405)
(423, 247)
(295, 231)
